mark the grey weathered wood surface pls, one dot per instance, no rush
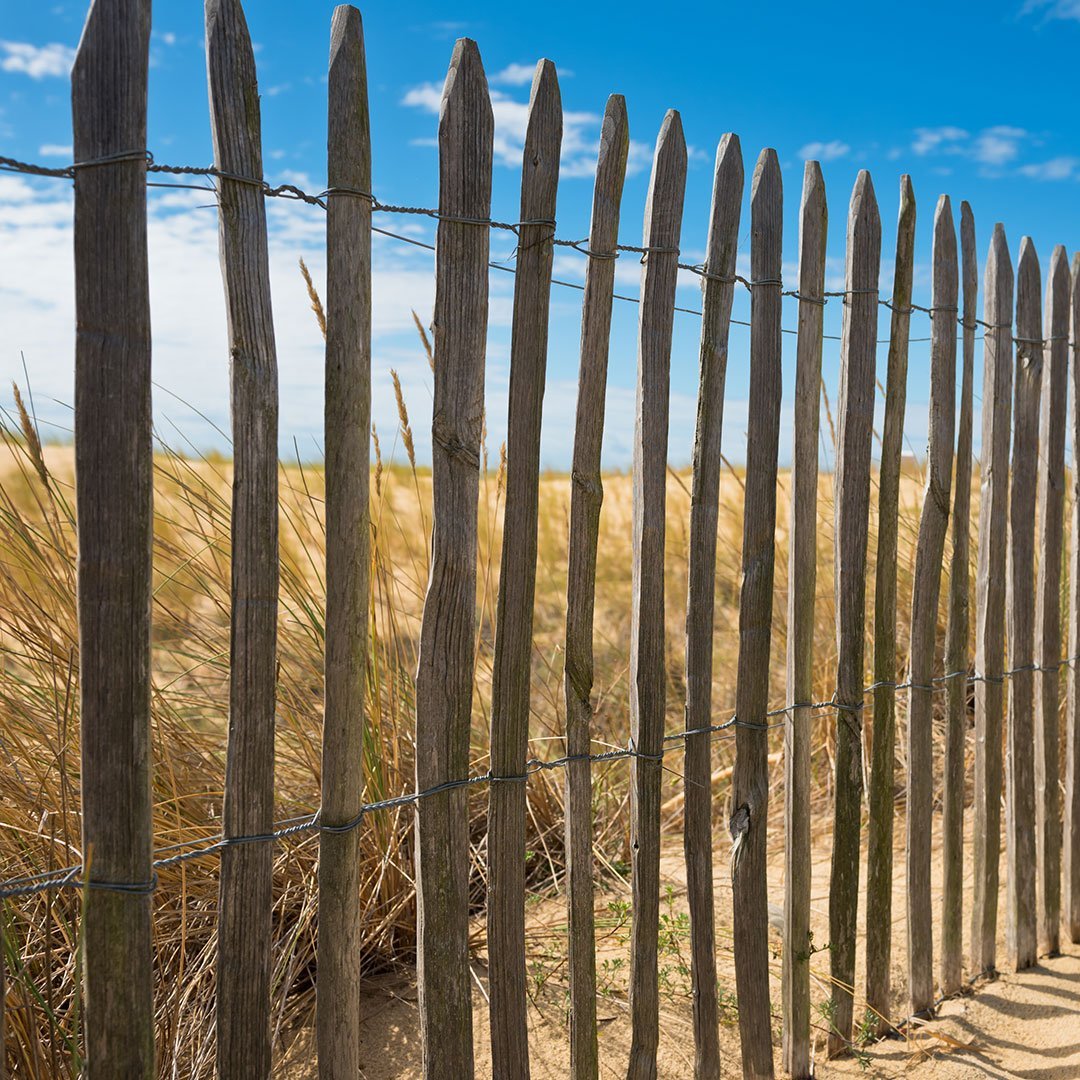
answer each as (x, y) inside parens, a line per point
(882, 799)
(244, 928)
(750, 780)
(1020, 747)
(717, 292)
(114, 494)
(648, 672)
(1071, 815)
(802, 589)
(1051, 524)
(858, 347)
(957, 634)
(990, 598)
(444, 677)
(348, 544)
(586, 496)
(929, 552)
(512, 665)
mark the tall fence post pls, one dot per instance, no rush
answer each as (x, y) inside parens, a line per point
(858, 348)
(348, 544)
(930, 549)
(879, 833)
(244, 930)
(1071, 867)
(1020, 753)
(648, 671)
(512, 667)
(444, 678)
(956, 637)
(114, 493)
(717, 289)
(587, 493)
(750, 779)
(802, 591)
(1051, 523)
(990, 592)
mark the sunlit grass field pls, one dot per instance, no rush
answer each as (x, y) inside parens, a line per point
(39, 722)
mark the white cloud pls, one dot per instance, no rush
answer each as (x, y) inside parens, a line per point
(928, 140)
(581, 132)
(514, 75)
(56, 150)
(824, 151)
(1053, 9)
(37, 61)
(1059, 168)
(998, 145)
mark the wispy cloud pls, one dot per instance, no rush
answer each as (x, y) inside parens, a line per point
(56, 150)
(993, 147)
(1059, 168)
(37, 61)
(929, 140)
(998, 145)
(581, 131)
(1053, 9)
(824, 151)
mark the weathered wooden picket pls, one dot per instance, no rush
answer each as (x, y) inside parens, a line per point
(1018, 582)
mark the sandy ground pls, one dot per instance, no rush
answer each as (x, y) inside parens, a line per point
(1019, 1025)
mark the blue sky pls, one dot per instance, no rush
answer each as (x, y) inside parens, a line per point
(974, 100)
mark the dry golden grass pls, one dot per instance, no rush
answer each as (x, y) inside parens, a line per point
(39, 723)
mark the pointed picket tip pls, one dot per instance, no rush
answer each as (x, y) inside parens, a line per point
(1028, 294)
(766, 170)
(998, 256)
(669, 167)
(670, 142)
(944, 227)
(907, 192)
(1028, 274)
(614, 149)
(813, 186)
(465, 84)
(615, 130)
(346, 33)
(729, 162)
(864, 207)
(545, 85)
(1059, 267)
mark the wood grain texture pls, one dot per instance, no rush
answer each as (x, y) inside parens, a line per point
(1071, 814)
(750, 779)
(444, 678)
(858, 347)
(512, 666)
(648, 673)
(717, 292)
(802, 589)
(957, 634)
(586, 496)
(929, 553)
(348, 545)
(882, 800)
(1051, 524)
(1020, 752)
(114, 496)
(244, 928)
(990, 578)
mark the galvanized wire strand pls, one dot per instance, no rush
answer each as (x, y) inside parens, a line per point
(295, 193)
(70, 877)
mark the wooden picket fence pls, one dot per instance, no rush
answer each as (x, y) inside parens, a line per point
(1021, 511)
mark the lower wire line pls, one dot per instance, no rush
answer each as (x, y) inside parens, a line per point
(309, 824)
